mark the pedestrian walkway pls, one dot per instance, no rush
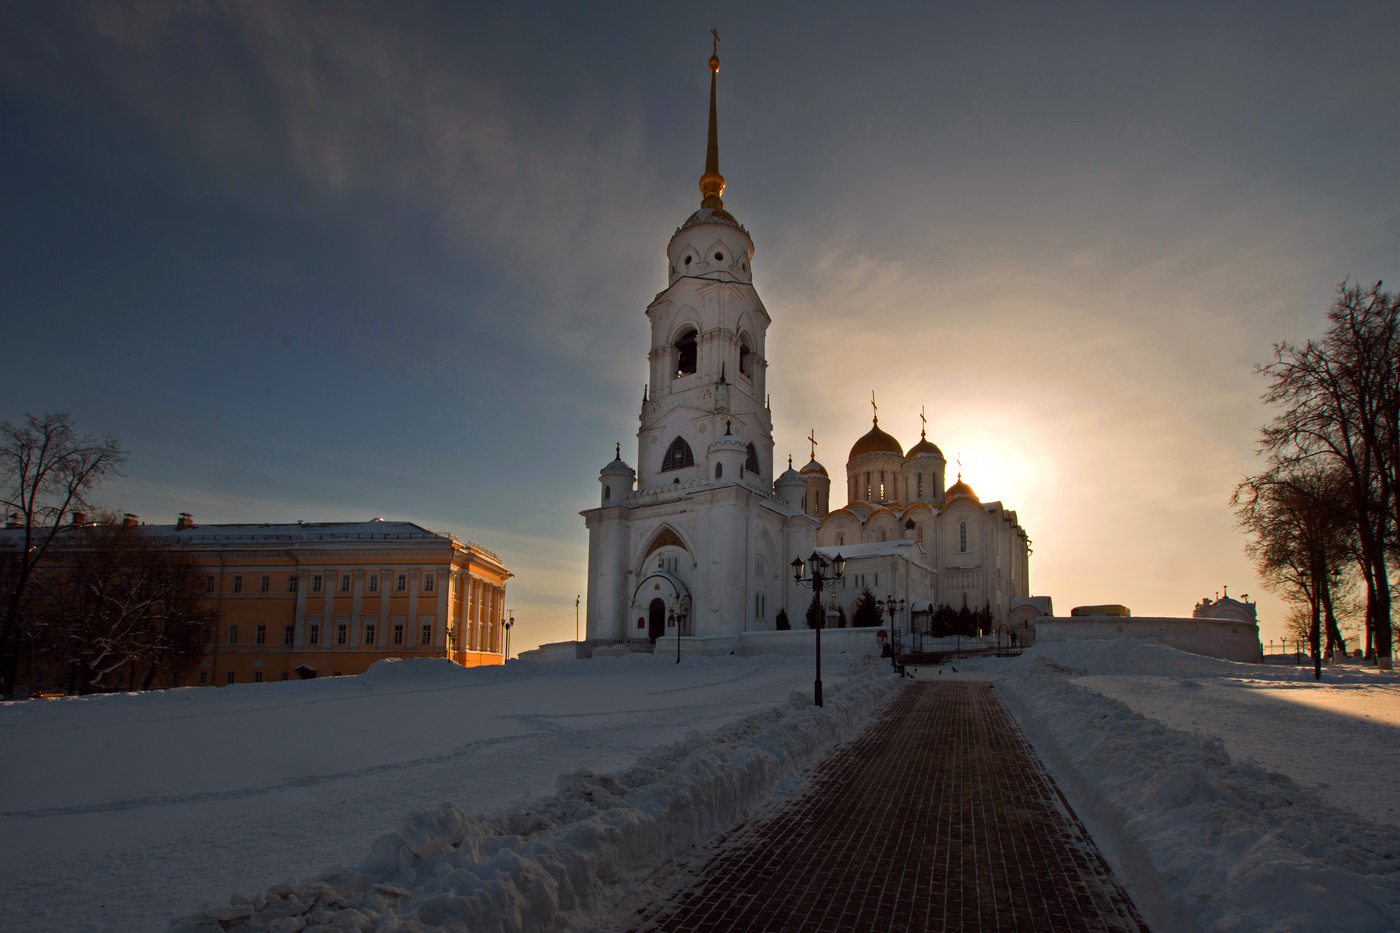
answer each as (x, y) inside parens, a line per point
(939, 817)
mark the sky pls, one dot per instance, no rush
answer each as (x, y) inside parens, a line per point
(337, 261)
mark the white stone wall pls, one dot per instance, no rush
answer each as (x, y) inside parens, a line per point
(1232, 641)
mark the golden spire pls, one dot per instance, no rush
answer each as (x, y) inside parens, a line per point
(712, 182)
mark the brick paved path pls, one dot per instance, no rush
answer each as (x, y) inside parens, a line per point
(939, 817)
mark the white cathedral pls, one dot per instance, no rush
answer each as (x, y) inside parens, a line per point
(696, 542)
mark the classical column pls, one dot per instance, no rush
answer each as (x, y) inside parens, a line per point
(357, 585)
(386, 588)
(473, 611)
(440, 613)
(299, 619)
(328, 584)
(414, 575)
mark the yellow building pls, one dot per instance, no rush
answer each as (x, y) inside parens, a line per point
(323, 599)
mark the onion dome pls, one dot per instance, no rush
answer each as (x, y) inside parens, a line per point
(925, 447)
(814, 467)
(960, 490)
(876, 442)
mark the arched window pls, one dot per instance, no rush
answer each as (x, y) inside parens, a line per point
(882, 485)
(678, 455)
(921, 483)
(685, 353)
(962, 537)
(607, 493)
(745, 357)
(804, 502)
(867, 486)
(751, 462)
(882, 535)
(719, 471)
(921, 535)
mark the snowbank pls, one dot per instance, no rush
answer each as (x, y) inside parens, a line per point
(553, 865)
(1203, 842)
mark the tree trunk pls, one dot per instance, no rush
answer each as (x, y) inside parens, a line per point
(1334, 634)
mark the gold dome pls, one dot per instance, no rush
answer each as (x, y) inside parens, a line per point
(925, 446)
(961, 490)
(876, 442)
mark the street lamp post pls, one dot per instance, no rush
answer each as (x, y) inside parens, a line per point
(893, 606)
(818, 567)
(510, 623)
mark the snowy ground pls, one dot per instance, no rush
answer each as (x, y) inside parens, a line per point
(1228, 796)
(123, 812)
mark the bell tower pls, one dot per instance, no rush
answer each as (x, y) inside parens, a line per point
(708, 368)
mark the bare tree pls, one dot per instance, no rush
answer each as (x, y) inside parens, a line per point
(1301, 529)
(47, 469)
(111, 598)
(1340, 400)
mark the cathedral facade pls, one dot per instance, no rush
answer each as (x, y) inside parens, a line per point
(696, 540)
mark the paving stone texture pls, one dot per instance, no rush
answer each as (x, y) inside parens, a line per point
(938, 817)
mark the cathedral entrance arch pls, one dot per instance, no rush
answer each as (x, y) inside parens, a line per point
(656, 625)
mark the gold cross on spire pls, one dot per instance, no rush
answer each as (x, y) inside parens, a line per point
(874, 406)
(813, 438)
(923, 431)
(715, 33)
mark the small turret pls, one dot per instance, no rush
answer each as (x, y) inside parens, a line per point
(791, 487)
(726, 456)
(617, 479)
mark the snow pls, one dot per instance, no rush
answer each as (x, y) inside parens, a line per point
(425, 796)
(1228, 796)
(122, 812)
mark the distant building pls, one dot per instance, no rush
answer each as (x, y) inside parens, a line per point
(322, 599)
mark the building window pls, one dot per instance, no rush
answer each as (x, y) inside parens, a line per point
(867, 487)
(426, 636)
(345, 582)
(174, 680)
(882, 485)
(962, 537)
(685, 346)
(228, 678)
(292, 584)
(238, 584)
(207, 634)
(745, 357)
(678, 456)
(429, 582)
(882, 535)
(401, 583)
(342, 633)
(840, 540)
(233, 634)
(203, 678)
(315, 583)
(257, 677)
(264, 584)
(398, 633)
(209, 584)
(920, 478)
(313, 634)
(369, 634)
(372, 583)
(751, 462)
(286, 676)
(457, 584)
(289, 634)
(260, 635)
(921, 534)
